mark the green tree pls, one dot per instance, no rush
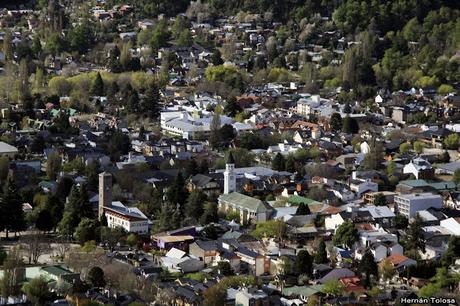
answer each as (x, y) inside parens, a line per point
(118, 144)
(418, 147)
(53, 165)
(367, 268)
(76, 208)
(54, 44)
(81, 37)
(86, 230)
(227, 134)
(209, 213)
(290, 163)
(391, 168)
(43, 220)
(373, 159)
(346, 235)
(214, 296)
(37, 291)
(271, 228)
(380, 200)
(415, 235)
(387, 270)
(456, 177)
(333, 287)
(401, 222)
(452, 142)
(4, 168)
(112, 236)
(303, 209)
(96, 277)
(131, 240)
(404, 148)
(453, 251)
(216, 58)
(350, 125)
(232, 108)
(98, 86)
(336, 122)
(160, 36)
(151, 100)
(185, 39)
(304, 262)
(177, 193)
(7, 47)
(194, 205)
(224, 268)
(11, 213)
(321, 254)
(278, 162)
(215, 136)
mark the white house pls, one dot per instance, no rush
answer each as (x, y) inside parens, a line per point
(367, 238)
(178, 261)
(419, 167)
(360, 186)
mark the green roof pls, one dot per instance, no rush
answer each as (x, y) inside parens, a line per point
(305, 291)
(414, 183)
(423, 183)
(231, 235)
(297, 200)
(443, 185)
(244, 201)
(69, 111)
(56, 270)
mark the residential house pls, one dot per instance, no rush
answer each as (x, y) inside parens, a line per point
(353, 214)
(178, 261)
(251, 296)
(400, 262)
(360, 186)
(205, 182)
(336, 274)
(420, 168)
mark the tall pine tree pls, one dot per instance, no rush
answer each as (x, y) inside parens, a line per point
(11, 213)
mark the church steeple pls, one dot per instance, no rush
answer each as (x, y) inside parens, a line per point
(229, 175)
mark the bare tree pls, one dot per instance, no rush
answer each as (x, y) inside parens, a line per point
(10, 283)
(165, 296)
(62, 248)
(34, 245)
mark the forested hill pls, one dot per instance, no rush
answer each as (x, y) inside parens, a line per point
(402, 43)
(351, 14)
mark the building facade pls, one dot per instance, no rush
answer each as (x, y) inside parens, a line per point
(409, 204)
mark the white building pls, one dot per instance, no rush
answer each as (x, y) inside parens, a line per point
(360, 186)
(418, 166)
(131, 219)
(409, 204)
(229, 175)
(196, 126)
